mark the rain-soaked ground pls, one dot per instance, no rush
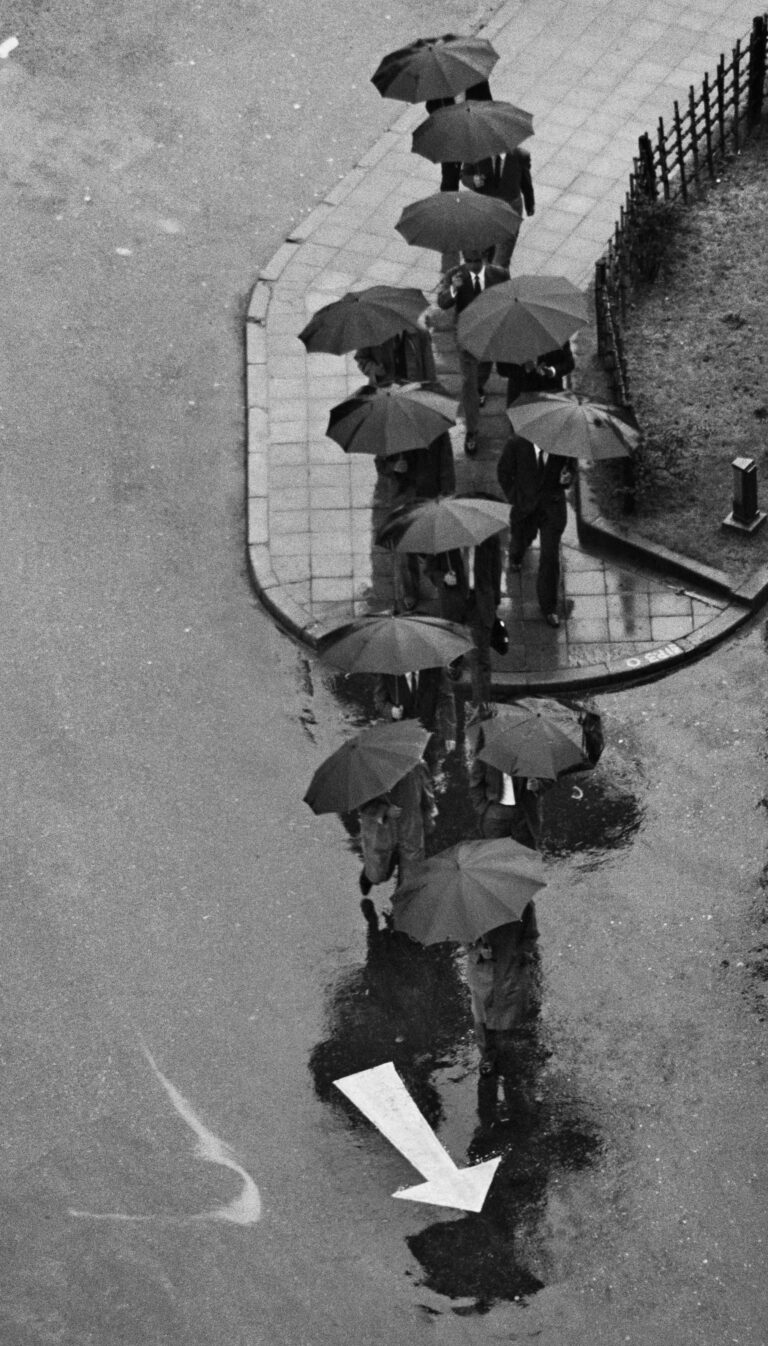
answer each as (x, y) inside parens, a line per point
(410, 1005)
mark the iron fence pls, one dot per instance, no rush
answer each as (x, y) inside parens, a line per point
(682, 155)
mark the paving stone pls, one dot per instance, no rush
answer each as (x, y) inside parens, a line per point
(258, 476)
(669, 628)
(283, 454)
(258, 530)
(291, 544)
(291, 499)
(292, 520)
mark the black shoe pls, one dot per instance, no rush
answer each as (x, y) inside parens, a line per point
(483, 399)
(365, 883)
(552, 619)
(369, 912)
(470, 445)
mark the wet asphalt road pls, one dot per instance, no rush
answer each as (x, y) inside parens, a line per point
(162, 883)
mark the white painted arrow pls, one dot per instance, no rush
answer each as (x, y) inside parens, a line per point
(383, 1098)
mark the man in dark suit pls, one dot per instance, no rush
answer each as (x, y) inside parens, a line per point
(459, 288)
(545, 375)
(507, 177)
(426, 695)
(478, 93)
(535, 483)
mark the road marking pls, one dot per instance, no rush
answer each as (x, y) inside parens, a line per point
(383, 1098)
(244, 1209)
(10, 44)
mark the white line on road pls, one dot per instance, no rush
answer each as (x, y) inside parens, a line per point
(245, 1209)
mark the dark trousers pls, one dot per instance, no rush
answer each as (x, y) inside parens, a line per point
(474, 376)
(507, 820)
(549, 521)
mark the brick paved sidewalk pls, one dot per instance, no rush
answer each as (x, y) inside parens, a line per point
(596, 75)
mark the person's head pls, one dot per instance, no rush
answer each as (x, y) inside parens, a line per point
(474, 261)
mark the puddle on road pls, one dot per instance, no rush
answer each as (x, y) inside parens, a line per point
(482, 1257)
(410, 1005)
(407, 1005)
(592, 814)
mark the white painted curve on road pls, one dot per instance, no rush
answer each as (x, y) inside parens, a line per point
(244, 1209)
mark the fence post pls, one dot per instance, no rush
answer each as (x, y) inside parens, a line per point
(599, 301)
(680, 154)
(708, 126)
(662, 143)
(694, 133)
(647, 176)
(721, 102)
(757, 45)
(736, 95)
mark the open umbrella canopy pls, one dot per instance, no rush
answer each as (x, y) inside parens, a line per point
(471, 131)
(457, 221)
(434, 67)
(432, 526)
(391, 420)
(462, 893)
(394, 644)
(571, 425)
(364, 318)
(522, 318)
(533, 737)
(366, 766)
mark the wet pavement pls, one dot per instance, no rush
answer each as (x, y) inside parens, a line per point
(626, 610)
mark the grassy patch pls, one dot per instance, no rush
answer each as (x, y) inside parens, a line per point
(697, 350)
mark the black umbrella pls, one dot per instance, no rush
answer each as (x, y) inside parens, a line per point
(522, 318)
(391, 420)
(394, 644)
(457, 222)
(434, 67)
(366, 766)
(471, 131)
(364, 318)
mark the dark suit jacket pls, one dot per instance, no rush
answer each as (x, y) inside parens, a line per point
(486, 787)
(522, 480)
(407, 356)
(431, 700)
(431, 472)
(520, 381)
(476, 93)
(465, 289)
(507, 177)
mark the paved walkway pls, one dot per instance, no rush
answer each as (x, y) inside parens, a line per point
(595, 75)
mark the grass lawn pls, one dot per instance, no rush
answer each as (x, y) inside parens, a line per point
(697, 350)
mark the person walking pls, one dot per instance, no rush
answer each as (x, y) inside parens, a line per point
(393, 828)
(450, 173)
(426, 695)
(417, 474)
(508, 178)
(545, 375)
(458, 290)
(500, 980)
(406, 357)
(506, 805)
(535, 484)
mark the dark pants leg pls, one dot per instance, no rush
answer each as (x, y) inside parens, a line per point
(522, 531)
(551, 529)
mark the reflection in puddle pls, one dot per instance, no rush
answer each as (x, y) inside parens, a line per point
(410, 1005)
(407, 1005)
(482, 1257)
(591, 813)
